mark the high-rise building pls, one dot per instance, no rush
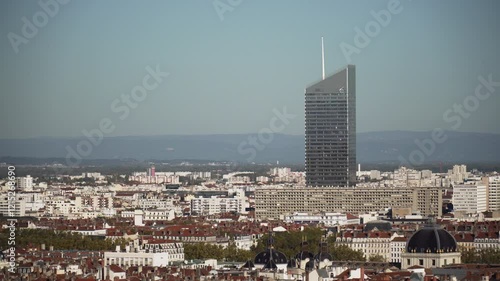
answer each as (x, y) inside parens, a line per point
(470, 198)
(330, 130)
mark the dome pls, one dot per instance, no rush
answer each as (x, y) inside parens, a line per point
(323, 256)
(292, 263)
(323, 253)
(379, 225)
(270, 257)
(249, 265)
(431, 239)
(310, 265)
(304, 253)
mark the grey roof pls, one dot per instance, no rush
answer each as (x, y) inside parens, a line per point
(332, 83)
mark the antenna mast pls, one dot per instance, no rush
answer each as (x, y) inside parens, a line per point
(323, 57)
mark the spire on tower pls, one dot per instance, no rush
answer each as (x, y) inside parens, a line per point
(323, 57)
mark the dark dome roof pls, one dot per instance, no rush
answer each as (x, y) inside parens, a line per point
(323, 256)
(431, 239)
(379, 224)
(292, 262)
(268, 255)
(304, 255)
(249, 264)
(310, 265)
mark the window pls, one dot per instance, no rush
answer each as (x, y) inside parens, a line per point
(408, 261)
(433, 262)
(421, 262)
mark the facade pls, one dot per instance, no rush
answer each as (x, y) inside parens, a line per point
(325, 218)
(458, 174)
(173, 248)
(372, 243)
(25, 183)
(470, 198)
(278, 202)
(12, 206)
(330, 130)
(158, 203)
(159, 215)
(494, 193)
(398, 245)
(217, 205)
(126, 259)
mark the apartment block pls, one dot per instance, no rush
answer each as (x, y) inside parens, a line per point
(470, 198)
(277, 202)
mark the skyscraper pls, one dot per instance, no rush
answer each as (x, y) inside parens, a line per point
(330, 130)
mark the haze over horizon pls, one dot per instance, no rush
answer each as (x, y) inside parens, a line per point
(227, 76)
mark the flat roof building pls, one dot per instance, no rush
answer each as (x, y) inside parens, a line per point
(277, 202)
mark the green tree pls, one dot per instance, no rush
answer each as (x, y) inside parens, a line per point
(487, 255)
(344, 253)
(376, 258)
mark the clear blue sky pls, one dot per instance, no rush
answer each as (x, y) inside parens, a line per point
(226, 76)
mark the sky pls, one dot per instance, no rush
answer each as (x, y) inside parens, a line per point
(232, 64)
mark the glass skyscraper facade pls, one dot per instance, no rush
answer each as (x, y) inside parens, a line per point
(330, 130)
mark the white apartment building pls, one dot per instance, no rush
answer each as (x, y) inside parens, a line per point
(372, 243)
(159, 215)
(397, 245)
(326, 218)
(245, 242)
(217, 205)
(95, 202)
(201, 175)
(25, 183)
(126, 259)
(157, 179)
(239, 180)
(483, 240)
(159, 203)
(470, 198)
(458, 174)
(493, 193)
(262, 179)
(173, 248)
(12, 205)
(33, 201)
(60, 205)
(280, 171)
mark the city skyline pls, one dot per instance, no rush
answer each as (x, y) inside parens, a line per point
(219, 140)
(216, 80)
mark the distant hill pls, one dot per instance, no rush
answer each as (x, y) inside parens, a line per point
(373, 147)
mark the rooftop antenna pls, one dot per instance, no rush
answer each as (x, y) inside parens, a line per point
(323, 57)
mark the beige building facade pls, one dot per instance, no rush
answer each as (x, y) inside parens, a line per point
(275, 202)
